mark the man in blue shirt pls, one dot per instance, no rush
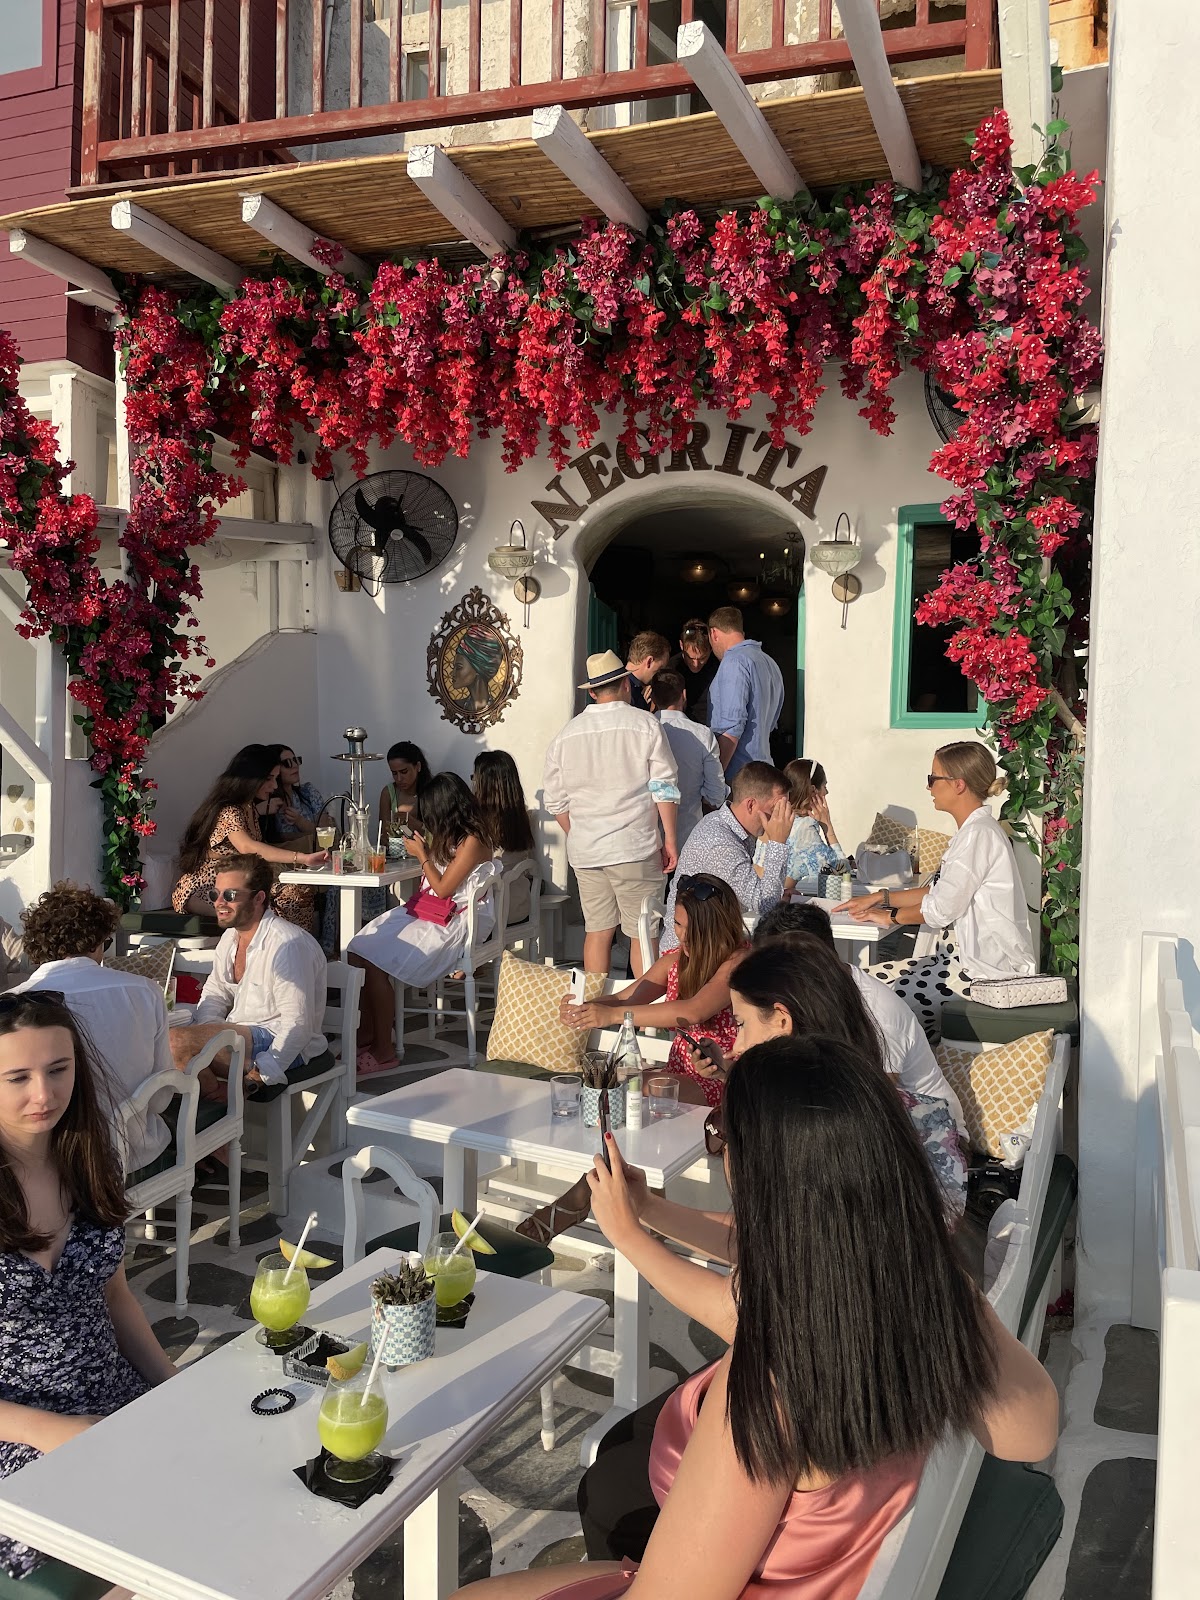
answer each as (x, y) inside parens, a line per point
(746, 696)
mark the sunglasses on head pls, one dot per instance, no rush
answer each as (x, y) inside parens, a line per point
(714, 1131)
(230, 896)
(698, 888)
(31, 997)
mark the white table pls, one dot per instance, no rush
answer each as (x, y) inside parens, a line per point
(187, 1495)
(467, 1112)
(856, 939)
(350, 886)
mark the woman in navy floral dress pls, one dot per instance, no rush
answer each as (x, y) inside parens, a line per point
(74, 1343)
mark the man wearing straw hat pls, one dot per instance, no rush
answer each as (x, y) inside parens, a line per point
(610, 780)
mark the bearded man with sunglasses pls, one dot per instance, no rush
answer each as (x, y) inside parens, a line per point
(267, 982)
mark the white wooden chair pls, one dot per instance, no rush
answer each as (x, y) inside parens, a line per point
(552, 904)
(424, 1197)
(332, 1090)
(525, 935)
(226, 1130)
(175, 1182)
(480, 952)
(651, 918)
(913, 1558)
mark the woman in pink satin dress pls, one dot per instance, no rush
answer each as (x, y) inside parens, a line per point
(857, 1341)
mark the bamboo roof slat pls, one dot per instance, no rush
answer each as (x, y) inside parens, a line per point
(368, 204)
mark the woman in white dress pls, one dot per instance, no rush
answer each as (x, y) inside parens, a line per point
(976, 901)
(412, 944)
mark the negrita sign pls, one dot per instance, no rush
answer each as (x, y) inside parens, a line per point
(599, 470)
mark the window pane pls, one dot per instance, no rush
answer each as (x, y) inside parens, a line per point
(21, 31)
(935, 683)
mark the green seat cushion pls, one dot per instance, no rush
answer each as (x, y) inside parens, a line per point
(266, 1092)
(188, 925)
(152, 1168)
(53, 1580)
(1013, 1519)
(516, 1256)
(515, 1069)
(1060, 1201)
(962, 1018)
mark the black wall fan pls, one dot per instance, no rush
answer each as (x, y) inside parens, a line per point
(392, 527)
(943, 413)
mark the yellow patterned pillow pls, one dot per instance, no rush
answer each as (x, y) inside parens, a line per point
(997, 1088)
(527, 1026)
(889, 834)
(153, 961)
(931, 847)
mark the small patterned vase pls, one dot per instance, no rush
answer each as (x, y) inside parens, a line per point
(589, 1106)
(406, 1332)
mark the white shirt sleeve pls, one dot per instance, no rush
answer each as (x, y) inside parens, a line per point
(554, 795)
(664, 774)
(962, 872)
(712, 786)
(294, 1004)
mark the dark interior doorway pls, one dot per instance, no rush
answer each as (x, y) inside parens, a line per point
(669, 566)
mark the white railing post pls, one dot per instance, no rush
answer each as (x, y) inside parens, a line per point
(50, 736)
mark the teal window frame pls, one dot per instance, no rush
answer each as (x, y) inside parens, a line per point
(908, 519)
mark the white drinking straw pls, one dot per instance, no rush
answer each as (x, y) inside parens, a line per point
(466, 1236)
(312, 1217)
(374, 1373)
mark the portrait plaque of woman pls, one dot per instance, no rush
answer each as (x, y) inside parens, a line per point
(474, 664)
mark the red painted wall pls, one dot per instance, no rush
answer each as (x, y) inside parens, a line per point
(39, 160)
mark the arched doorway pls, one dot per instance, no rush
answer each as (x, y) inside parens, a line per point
(672, 558)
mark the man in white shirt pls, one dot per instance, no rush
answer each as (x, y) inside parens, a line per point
(124, 1016)
(701, 781)
(267, 982)
(910, 1056)
(610, 780)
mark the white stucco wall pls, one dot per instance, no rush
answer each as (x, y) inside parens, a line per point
(371, 652)
(1143, 756)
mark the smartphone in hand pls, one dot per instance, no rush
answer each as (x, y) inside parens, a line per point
(605, 1126)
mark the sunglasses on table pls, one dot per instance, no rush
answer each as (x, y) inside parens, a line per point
(699, 888)
(230, 896)
(31, 997)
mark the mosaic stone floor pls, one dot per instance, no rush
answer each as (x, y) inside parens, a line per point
(517, 1501)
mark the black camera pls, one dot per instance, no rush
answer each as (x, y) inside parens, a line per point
(989, 1185)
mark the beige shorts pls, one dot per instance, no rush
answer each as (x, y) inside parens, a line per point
(612, 895)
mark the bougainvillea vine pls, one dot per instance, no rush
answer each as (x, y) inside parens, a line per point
(977, 280)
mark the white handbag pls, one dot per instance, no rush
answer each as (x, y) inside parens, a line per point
(892, 870)
(1005, 994)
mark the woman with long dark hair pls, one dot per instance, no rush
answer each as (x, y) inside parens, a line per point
(505, 817)
(812, 844)
(424, 939)
(290, 816)
(225, 823)
(400, 800)
(695, 979)
(74, 1343)
(857, 1343)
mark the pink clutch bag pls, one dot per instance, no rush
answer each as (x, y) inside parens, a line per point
(429, 907)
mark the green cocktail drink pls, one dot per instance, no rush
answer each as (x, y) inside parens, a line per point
(352, 1424)
(453, 1275)
(276, 1300)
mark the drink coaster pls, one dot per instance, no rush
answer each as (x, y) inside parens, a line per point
(299, 1341)
(315, 1479)
(455, 1316)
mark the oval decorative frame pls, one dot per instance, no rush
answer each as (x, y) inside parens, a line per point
(474, 663)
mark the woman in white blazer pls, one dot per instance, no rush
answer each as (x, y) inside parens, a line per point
(975, 902)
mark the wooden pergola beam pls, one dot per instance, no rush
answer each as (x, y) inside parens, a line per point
(711, 70)
(564, 142)
(860, 24)
(1024, 27)
(95, 288)
(280, 228)
(459, 201)
(176, 247)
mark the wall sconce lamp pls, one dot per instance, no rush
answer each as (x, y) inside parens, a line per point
(516, 562)
(743, 591)
(776, 605)
(837, 558)
(699, 569)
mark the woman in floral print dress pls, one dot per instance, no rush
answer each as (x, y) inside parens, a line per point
(75, 1345)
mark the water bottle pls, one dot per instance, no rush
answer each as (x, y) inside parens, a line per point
(626, 1057)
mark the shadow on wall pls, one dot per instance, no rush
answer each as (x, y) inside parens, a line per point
(268, 694)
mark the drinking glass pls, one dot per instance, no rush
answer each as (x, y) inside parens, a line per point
(664, 1095)
(453, 1275)
(277, 1301)
(376, 861)
(325, 837)
(351, 1425)
(564, 1094)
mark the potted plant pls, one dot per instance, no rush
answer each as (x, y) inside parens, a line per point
(403, 1313)
(599, 1073)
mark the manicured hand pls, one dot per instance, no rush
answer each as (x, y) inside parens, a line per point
(585, 1016)
(295, 819)
(779, 823)
(416, 848)
(708, 1067)
(317, 858)
(862, 908)
(613, 1204)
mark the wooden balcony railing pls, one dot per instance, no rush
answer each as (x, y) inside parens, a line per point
(189, 86)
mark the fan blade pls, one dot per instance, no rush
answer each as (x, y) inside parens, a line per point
(420, 544)
(364, 508)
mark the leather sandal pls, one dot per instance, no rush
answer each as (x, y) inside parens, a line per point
(568, 1211)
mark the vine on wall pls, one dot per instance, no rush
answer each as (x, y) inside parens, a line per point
(978, 279)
